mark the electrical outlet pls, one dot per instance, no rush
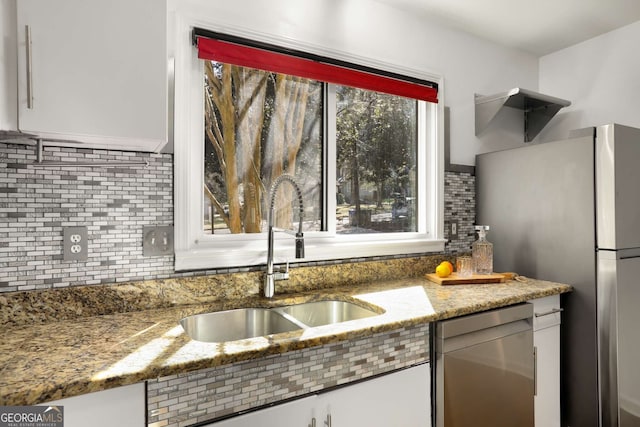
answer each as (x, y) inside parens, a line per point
(157, 240)
(75, 244)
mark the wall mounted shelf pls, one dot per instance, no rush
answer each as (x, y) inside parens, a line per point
(538, 109)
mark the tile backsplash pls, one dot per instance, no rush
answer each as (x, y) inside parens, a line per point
(37, 203)
(460, 206)
(115, 204)
(201, 396)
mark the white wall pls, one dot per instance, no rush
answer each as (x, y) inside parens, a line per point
(367, 29)
(376, 31)
(599, 76)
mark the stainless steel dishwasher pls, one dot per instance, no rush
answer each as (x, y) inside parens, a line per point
(485, 369)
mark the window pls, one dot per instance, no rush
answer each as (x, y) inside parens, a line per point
(259, 125)
(367, 162)
(376, 162)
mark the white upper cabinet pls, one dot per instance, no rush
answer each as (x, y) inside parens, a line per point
(95, 72)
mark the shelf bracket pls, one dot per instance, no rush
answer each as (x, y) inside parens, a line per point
(538, 109)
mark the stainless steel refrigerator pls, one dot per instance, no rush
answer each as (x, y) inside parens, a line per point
(569, 211)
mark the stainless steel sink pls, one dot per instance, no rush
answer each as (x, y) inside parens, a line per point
(321, 313)
(232, 325)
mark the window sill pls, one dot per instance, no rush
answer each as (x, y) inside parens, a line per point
(316, 249)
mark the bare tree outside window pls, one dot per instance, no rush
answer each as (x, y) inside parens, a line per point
(259, 125)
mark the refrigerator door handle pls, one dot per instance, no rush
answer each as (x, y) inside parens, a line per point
(619, 254)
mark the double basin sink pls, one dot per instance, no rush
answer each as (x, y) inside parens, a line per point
(243, 323)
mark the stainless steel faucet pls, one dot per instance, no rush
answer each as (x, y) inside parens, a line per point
(271, 277)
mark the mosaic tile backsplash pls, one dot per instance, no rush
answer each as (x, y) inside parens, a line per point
(460, 206)
(190, 398)
(115, 204)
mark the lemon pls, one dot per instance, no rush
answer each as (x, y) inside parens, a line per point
(443, 270)
(448, 264)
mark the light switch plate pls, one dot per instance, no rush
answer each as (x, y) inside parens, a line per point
(75, 244)
(157, 240)
(453, 229)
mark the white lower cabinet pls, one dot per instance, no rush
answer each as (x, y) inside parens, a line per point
(546, 340)
(122, 406)
(290, 414)
(398, 399)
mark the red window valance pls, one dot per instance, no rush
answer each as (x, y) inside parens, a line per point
(247, 56)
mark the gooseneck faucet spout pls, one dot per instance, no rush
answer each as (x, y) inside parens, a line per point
(271, 277)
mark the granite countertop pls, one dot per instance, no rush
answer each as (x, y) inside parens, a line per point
(49, 360)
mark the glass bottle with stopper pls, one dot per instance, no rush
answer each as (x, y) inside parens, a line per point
(482, 252)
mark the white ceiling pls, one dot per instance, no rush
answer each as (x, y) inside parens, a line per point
(536, 26)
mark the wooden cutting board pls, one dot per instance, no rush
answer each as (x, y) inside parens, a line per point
(454, 279)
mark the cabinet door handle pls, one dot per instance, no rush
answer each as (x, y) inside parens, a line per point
(328, 421)
(535, 371)
(313, 422)
(552, 311)
(27, 30)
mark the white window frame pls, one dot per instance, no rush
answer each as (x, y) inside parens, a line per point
(195, 250)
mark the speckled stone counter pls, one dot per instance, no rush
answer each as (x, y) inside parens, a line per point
(45, 359)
